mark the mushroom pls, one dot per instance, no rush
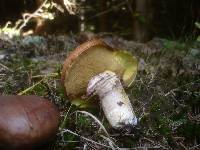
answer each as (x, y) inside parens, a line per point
(94, 68)
(26, 122)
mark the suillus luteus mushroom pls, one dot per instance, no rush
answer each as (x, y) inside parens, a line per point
(26, 122)
(94, 68)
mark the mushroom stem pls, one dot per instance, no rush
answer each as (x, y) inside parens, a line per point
(115, 102)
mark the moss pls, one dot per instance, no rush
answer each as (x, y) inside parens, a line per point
(18, 74)
(70, 141)
(190, 130)
(163, 126)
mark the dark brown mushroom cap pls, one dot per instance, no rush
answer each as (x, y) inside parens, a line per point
(26, 122)
(91, 58)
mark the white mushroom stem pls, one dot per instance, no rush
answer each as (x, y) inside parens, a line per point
(115, 102)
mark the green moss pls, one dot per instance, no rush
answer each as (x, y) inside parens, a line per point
(163, 126)
(70, 141)
(18, 75)
(190, 130)
(174, 45)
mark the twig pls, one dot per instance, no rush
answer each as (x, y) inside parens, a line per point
(44, 75)
(194, 147)
(65, 118)
(5, 67)
(93, 117)
(71, 6)
(34, 85)
(145, 147)
(111, 142)
(30, 88)
(30, 16)
(183, 146)
(108, 10)
(193, 82)
(89, 140)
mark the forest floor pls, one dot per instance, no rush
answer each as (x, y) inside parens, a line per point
(165, 94)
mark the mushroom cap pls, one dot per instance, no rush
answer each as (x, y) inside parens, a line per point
(91, 58)
(26, 122)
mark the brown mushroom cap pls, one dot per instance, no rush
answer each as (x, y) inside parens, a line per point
(26, 122)
(92, 58)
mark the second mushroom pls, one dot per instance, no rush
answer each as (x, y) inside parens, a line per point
(94, 68)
